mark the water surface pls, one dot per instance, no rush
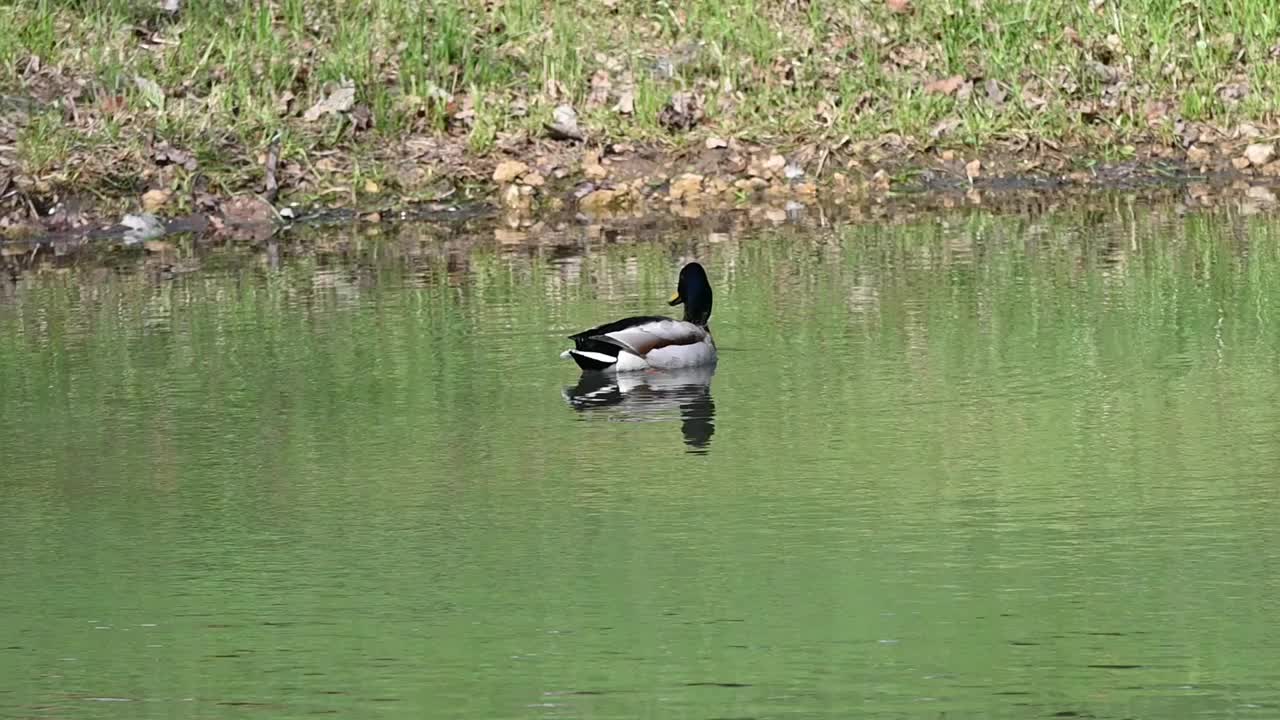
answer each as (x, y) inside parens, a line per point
(966, 466)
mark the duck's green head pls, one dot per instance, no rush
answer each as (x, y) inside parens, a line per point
(694, 290)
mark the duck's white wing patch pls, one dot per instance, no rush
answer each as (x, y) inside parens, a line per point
(644, 338)
(598, 357)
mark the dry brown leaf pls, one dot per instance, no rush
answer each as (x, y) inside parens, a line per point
(626, 92)
(880, 181)
(151, 91)
(591, 166)
(1233, 93)
(600, 86)
(284, 101)
(909, 57)
(944, 127)
(973, 169)
(554, 89)
(996, 94)
(945, 86)
(683, 112)
(153, 200)
(1157, 111)
(1030, 99)
(165, 154)
(626, 104)
(338, 101)
(901, 7)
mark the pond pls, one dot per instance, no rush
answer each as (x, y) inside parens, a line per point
(959, 465)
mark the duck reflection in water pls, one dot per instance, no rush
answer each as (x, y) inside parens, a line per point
(654, 395)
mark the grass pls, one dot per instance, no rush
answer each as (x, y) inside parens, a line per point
(225, 77)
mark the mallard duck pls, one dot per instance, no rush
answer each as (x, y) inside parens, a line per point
(653, 342)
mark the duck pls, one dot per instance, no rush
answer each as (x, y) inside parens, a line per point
(653, 342)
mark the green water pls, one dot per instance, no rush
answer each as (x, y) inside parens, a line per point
(967, 467)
